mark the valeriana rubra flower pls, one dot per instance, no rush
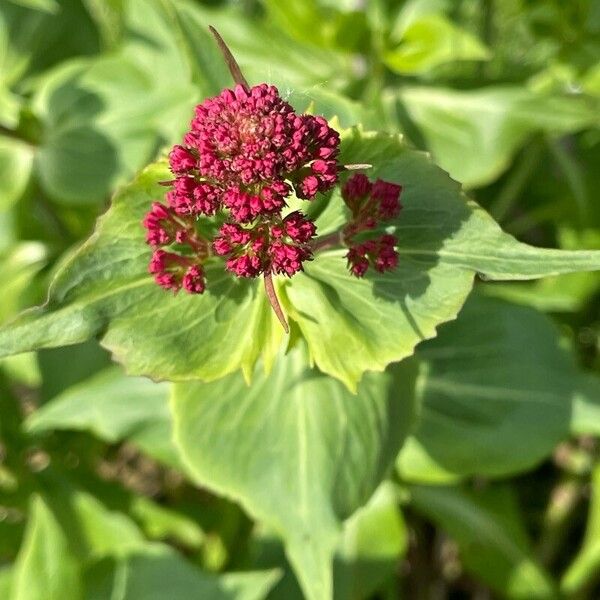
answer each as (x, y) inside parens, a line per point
(246, 151)
(370, 204)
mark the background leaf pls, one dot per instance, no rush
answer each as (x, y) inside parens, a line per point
(45, 569)
(491, 538)
(496, 394)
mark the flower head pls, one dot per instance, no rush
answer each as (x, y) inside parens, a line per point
(280, 248)
(370, 204)
(245, 152)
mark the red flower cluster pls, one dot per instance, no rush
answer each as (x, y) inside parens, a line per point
(245, 153)
(370, 204)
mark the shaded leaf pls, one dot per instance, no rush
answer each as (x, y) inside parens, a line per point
(372, 541)
(114, 408)
(491, 538)
(496, 394)
(157, 573)
(584, 570)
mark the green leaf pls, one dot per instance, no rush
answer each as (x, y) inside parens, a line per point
(372, 542)
(10, 108)
(33, 40)
(490, 535)
(6, 577)
(18, 267)
(496, 394)
(585, 416)
(430, 41)
(49, 6)
(475, 134)
(306, 455)
(284, 61)
(45, 568)
(114, 408)
(444, 240)
(157, 573)
(100, 121)
(16, 160)
(92, 530)
(584, 570)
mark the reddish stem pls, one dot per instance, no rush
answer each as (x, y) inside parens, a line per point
(329, 241)
(232, 65)
(272, 296)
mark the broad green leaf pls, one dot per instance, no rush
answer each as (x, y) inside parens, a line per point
(584, 570)
(16, 159)
(45, 568)
(443, 240)
(475, 134)
(307, 453)
(18, 267)
(170, 41)
(114, 408)
(104, 288)
(120, 564)
(304, 20)
(84, 360)
(492, 540)
(158, 573)
(566, 293)
(161, 523)
(432, 40)
(496, 391)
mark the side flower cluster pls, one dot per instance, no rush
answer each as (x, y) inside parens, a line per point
(370, 204)
(245, 153)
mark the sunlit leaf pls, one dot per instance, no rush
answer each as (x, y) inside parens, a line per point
(306, 452)
(433, 40)
(475, 134)
(104, 288)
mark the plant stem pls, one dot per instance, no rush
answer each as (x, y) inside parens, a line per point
(272, 296)
(329, 241)
(232, 65)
